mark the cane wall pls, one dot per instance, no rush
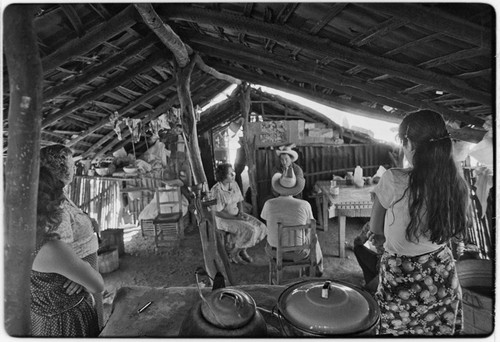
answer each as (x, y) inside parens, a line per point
(321, 162)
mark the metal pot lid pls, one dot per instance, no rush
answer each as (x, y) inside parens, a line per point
(328, 307)
(228, 308)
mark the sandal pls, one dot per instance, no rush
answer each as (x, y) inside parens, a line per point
(236, 259)
(245, 256)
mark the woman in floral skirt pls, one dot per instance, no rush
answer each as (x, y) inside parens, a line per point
(417, 211)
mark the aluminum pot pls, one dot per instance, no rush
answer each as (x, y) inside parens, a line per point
(322, 308)
(225, 312)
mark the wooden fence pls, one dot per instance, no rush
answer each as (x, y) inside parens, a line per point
(107, 200)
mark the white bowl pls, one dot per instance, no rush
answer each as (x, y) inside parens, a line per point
(130, 169)
(102, 171)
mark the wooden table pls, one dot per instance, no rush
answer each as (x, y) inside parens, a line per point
(350, 202)
(169, 307)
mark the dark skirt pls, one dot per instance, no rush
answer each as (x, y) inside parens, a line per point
(419, 295)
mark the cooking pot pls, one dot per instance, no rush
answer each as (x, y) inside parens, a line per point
(327, 308)
(225, 312)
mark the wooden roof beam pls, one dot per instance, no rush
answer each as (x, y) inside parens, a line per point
(334, 11)
(167, 36)
(91, 74)
(156, 58)
(174, 43)
(96, 36)
(73, 18)
(334, 102)
(453, 57)
(297, 38)
(435, 20)
(329, 79)
(377, 31)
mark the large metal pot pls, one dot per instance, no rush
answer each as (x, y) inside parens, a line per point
(225, 312)
(327, 308)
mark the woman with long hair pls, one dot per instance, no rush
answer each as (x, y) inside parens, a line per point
(54, 311)
(76, 228)
(417, 211)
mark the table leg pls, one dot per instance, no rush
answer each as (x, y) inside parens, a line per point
(342, 220)
(325, 212)
(319, 211)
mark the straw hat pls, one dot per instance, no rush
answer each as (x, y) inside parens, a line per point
(287, 184)
(288, 150)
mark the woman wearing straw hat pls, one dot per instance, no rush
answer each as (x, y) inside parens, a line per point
(289, 211)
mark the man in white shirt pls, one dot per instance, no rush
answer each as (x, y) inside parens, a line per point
(289, 211)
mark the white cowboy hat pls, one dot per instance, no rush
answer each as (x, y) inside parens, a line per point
(288, 150)
(287, 184)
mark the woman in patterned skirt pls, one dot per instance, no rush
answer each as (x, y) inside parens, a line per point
(243, 230)
(417, 211)
(77, 228)
(54, 312)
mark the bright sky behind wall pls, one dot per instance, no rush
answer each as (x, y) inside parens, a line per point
(382, 130)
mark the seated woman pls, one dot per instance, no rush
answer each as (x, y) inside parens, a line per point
(54, 311)
(243, 230)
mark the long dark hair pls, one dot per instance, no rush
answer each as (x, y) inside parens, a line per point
(49, 210)
(437, 192)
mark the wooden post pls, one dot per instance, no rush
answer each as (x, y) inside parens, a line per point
(21, 168)
(249, 146)
(183, 77)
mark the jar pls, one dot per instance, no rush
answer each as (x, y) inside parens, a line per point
(334, 189)
(349, 178)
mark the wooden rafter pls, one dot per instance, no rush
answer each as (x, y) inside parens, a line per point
(98, 70)
(156, 58)
(453, 57)
(73, 18)
(328, 79)
(100, 33)
(335, 10)
(334, 102)
(296, 38)
(377, 31)
(435, 20)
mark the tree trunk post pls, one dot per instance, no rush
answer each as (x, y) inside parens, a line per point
(249, 146)
(21, 168)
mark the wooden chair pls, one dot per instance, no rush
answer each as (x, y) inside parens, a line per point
(289, 244)
(169, 223)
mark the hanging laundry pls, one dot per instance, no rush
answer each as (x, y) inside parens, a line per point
(134, 126)
(116, 121)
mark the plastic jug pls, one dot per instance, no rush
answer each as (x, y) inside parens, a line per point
(358, 177)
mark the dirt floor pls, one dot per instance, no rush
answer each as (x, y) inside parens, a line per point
(140, 266)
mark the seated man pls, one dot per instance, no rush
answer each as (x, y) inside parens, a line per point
(368, 257)
(289, 211)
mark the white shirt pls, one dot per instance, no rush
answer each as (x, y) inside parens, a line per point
(389, 191)
(287, 210)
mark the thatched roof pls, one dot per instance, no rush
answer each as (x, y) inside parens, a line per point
(379, 60)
